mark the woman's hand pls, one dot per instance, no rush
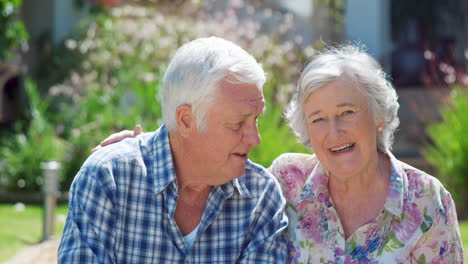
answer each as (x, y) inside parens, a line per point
(116, 137)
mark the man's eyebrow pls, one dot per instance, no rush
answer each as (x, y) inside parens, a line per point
(252, 113)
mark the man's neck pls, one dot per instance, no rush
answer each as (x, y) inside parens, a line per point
(187, 174)
(192, 194)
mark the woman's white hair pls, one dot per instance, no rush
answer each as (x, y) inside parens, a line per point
(353, 62)
(194, 74)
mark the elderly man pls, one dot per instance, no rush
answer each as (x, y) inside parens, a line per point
(187, 192)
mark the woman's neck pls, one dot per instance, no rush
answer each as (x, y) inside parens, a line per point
(361, 198)
(375, 175)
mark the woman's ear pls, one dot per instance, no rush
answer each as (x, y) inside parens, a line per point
(185, 119)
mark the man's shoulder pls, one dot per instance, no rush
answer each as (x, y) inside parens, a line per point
(141, 151)
(126, 150)
(119, 162)
(256, 171)
(257, 179)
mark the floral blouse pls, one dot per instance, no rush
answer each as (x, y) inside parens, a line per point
(417, 225)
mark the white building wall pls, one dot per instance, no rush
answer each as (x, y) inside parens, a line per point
(66, 16)
(368, 22)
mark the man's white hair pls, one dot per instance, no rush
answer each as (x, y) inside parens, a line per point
(195, 72)
(360, 68)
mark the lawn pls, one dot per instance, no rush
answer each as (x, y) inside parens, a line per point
(464, 235)
(24, 228)
(20, 229)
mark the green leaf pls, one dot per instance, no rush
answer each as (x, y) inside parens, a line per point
(424, 227)
(309, 244)
(395, 243)
(422, 259)
(391, 243)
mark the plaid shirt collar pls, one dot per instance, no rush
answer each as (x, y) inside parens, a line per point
(166, 164)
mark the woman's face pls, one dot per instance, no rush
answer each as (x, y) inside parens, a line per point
(341, 128)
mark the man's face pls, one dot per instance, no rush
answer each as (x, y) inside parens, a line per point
(231, 132)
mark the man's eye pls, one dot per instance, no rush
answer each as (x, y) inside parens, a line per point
(317, 120)
(236, 127)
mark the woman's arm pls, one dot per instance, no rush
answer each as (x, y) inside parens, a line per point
(116, 137)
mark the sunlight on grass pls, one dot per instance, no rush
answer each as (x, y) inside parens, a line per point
(464, 236)
(24, 228)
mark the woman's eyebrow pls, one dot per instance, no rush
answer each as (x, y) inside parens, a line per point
(314, 113)
(346, 104)
(339, 105)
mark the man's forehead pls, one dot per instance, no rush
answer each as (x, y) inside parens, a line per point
(241, 91)
(259, 100)
(256, 102)
(257, 105)
(244, 107)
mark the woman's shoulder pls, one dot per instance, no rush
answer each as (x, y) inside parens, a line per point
(419, 180)
(426, 190)
(300, 160)
(292, 171)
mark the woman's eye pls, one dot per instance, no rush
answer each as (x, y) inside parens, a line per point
(347, 112)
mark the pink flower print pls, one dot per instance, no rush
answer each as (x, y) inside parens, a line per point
(443, 248)
(349, 260)
(339, 252)
(373, 231)
(305, 205)
(293, 181)
(323, 198)
(415, 184)
(320, 180)
(395, 184)
(311, 227)
(448, 213)
(294, 252)
(410, 223)
(433, 245)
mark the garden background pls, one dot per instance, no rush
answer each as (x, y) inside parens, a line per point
(105, 75)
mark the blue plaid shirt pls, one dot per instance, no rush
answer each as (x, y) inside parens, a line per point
(122, 205)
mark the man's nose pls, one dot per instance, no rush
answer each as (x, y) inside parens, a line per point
(252, 136)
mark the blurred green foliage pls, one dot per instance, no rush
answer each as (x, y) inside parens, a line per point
(277, 137)
(108, 76)
(29, 146)
(13, 32)
(449, 151)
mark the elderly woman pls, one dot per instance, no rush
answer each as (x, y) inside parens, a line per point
(353, 201)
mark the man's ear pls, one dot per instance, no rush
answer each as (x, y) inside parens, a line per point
(185, 119)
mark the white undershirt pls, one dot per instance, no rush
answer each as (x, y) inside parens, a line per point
(190, 238)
